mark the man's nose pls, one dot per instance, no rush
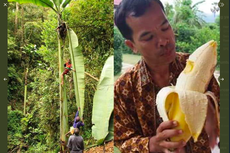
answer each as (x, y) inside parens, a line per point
(162, 42)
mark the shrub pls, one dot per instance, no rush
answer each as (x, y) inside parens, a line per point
(117, 51)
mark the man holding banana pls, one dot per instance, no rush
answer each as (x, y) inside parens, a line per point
(138, 126)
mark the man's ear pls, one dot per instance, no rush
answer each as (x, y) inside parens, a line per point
(131, 45)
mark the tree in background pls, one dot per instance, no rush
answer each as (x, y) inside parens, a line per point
(187, 14)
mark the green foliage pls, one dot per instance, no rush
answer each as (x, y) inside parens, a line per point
(169, 11)
(95, 32)
(23, 131)
(14, 128)
(44, 3)
(185, 12)
(14, 120)
(44, 100)
(39, 147)
(117, 61)
(118, 40)
(38, 129)
(184, 32)
(49, 35)
(31, 33)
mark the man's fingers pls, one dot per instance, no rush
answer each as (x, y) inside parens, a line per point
(172, 145)
(166, 125)
(168, 134)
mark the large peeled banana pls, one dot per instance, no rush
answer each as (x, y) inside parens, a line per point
(186, 102)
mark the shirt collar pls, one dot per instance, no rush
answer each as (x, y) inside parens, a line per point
(144, 74)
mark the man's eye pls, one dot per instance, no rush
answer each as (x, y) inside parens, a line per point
(165, 27)
(148, 38)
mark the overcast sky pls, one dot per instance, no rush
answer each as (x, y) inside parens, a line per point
(205, 7)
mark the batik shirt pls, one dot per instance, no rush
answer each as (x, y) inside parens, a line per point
(135, 113)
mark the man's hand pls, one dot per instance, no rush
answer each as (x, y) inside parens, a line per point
(211, 125)
(159, 143)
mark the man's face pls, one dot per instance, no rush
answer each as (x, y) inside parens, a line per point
(152, 36)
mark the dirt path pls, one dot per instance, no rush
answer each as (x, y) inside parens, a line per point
(100, 149)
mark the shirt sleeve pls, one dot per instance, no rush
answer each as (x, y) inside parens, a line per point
(127, 133)
(76, 115)
(215, 89)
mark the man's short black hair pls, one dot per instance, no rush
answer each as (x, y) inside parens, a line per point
(76, 131)
(136, 8)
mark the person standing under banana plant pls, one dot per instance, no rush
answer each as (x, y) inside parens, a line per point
(76, 142)
(137, 124)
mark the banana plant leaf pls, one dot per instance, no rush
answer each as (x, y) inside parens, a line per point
(44, 3)
(110, 135)
(66, 2)
(103, 104)
(78, 65)
(116, 150)
(53, 4)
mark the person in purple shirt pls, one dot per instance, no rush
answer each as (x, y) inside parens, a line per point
(77, 122)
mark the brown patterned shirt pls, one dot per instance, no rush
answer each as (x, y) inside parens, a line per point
(135, 113)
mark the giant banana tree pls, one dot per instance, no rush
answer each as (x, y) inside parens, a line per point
(58, 6)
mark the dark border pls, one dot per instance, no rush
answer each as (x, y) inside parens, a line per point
(3, 74)
(224, 76)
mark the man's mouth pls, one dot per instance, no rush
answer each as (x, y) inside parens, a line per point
(167, 52)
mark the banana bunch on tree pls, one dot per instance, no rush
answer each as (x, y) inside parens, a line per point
(187, 102)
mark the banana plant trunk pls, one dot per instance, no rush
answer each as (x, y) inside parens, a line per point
(16, 18)
(25, 90)
(62, 93)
